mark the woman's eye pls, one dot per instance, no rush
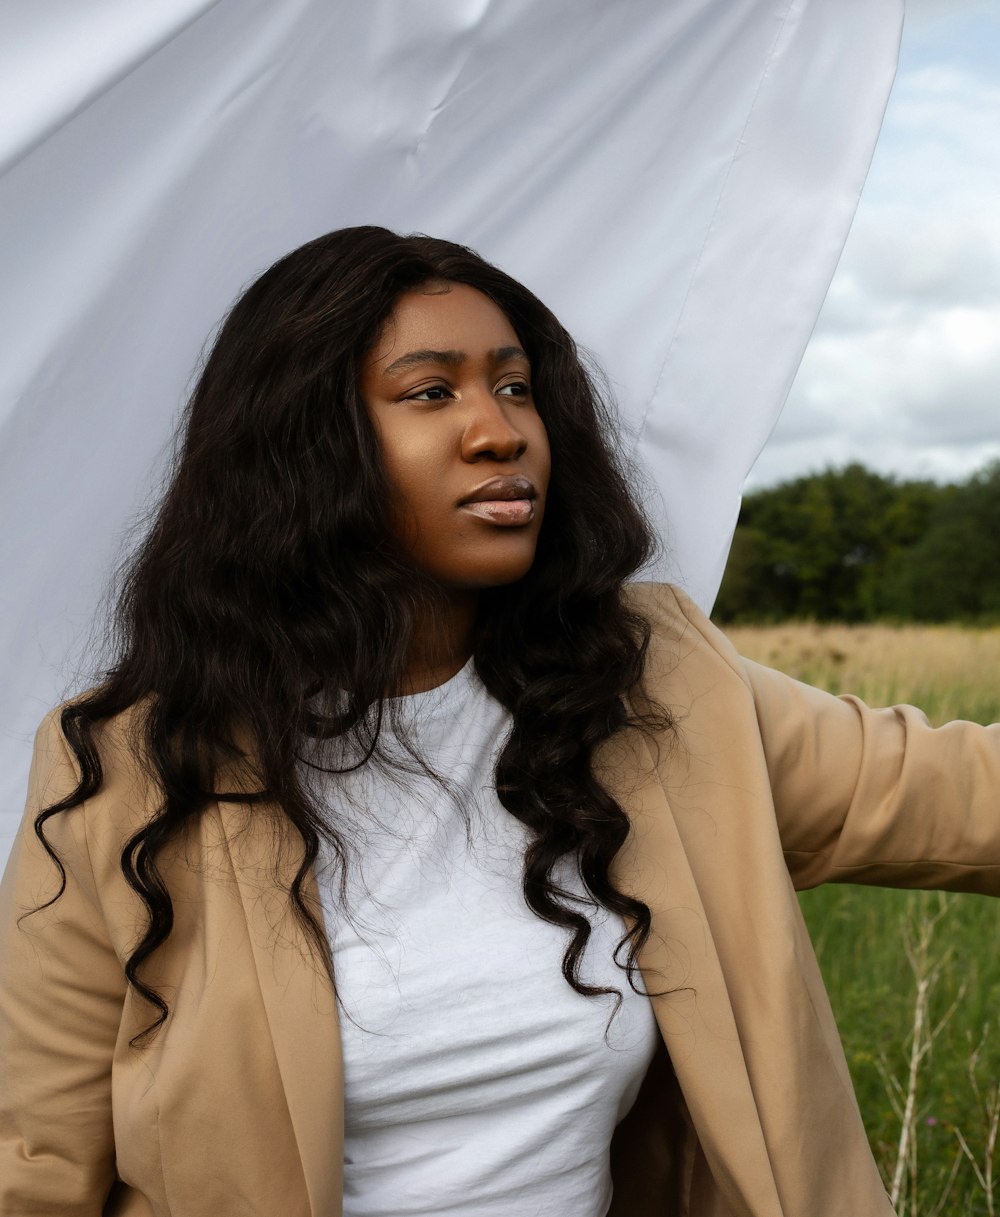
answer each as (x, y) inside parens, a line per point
(433, 393)
(516, 388)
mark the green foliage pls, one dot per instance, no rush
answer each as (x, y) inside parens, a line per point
(852, 545)
(952, 571)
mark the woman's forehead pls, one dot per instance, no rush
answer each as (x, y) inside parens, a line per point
(442, 317)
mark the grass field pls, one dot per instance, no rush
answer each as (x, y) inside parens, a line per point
(914, 977)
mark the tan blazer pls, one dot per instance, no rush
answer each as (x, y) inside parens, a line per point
(236, 1107)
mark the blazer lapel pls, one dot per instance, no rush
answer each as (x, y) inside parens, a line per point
(299, 1002)
(683, 974)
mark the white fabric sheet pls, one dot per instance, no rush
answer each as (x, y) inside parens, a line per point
(676, 180)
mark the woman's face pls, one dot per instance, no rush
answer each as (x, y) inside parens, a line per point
(448, 388)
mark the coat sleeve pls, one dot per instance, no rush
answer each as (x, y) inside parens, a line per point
(859, 795)
(878, 796)
(61, 994)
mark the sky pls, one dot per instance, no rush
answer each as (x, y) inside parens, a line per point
(903, 369)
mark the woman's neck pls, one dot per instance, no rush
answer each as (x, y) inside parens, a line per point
(441, 643)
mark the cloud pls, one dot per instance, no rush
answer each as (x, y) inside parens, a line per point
(924, 13)
(903, 372)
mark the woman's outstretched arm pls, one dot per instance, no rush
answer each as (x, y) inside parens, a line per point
(879, 796)
(859, 795)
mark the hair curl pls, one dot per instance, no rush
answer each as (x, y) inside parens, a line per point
(268, 576)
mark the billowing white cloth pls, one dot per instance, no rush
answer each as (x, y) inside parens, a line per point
(675, 180)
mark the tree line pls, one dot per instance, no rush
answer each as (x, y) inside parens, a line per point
(853, 545)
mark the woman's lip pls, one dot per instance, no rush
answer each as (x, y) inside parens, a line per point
(501, 488)
(502, 511)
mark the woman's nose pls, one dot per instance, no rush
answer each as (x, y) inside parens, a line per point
(491, 431)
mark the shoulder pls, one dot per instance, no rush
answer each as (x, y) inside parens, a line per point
(685, 647)
(124, 797)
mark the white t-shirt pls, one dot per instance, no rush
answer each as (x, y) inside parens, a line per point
(476, 1081)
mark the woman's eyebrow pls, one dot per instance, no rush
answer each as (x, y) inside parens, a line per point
(503, 354)
(450, 359)
(413, 358)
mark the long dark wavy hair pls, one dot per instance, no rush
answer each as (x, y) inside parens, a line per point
(269, 578)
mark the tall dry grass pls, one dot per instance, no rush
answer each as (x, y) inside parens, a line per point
(949, 672)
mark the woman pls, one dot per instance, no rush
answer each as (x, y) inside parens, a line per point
(383, 713)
